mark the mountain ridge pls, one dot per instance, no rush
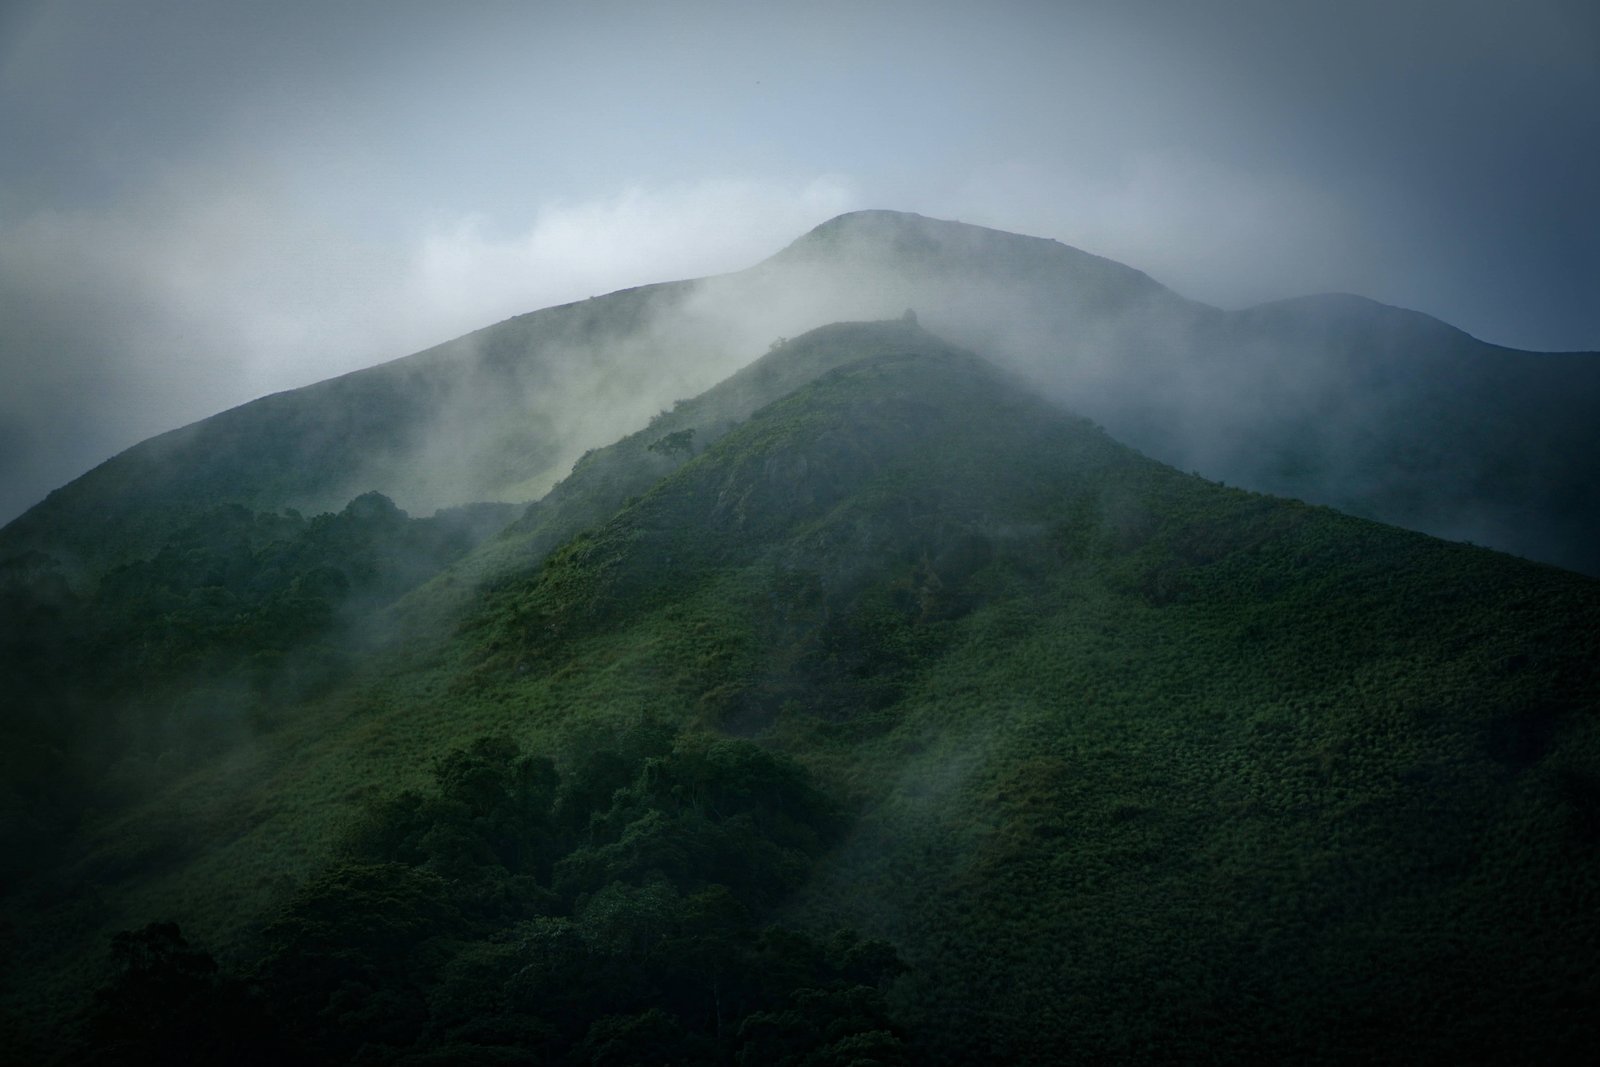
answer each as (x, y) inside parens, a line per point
(897, 232)
(1278, 397)
(1132, 766)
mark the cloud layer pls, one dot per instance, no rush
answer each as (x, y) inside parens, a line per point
(212, 290)
(200, 203)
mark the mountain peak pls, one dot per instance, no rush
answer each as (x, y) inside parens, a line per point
(1349, 311)
(1149, 715)
(908, 240)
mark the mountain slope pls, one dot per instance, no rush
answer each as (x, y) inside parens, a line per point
(1394, 415)
(466, 421)
(602, 480)
(1333, 400)
(1139, 768)
(1119, 732)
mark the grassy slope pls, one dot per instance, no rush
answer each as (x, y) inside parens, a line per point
(604, 479)
(463, 421)
(1334, 399)
(1394, 415)
(1146, 768)
(1172, 770)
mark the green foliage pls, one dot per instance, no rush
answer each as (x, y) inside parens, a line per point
(1115, 729)
(1137, 768)
(444, 935)
(169, 1004)
(677, 443)
(173, 658)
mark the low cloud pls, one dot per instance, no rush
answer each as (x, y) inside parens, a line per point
(1221, 234)
(217, 285)
(470, 273)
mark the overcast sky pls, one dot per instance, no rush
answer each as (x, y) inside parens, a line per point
(202, 202)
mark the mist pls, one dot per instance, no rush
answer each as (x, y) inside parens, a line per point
(1342, 401)
(123, 325)
(204, 206)
(565, 274)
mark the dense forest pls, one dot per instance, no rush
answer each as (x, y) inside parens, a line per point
(868, 708)
(617, 913)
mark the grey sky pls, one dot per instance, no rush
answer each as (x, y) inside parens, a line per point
(202, 202)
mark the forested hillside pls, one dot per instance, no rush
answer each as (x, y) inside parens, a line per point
(867, 709)
(1332, 399)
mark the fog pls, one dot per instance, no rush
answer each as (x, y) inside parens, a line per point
(1343, 401)
(265, 258)
(118, 326)
(1338, 400)
(201, 205)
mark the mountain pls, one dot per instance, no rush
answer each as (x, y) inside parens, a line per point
(867, 707)
(1335, 400)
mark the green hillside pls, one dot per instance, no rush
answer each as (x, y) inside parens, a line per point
(891, 715)
(1336, 400)
(466, 421)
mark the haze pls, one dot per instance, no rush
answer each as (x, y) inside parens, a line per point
(200, 205)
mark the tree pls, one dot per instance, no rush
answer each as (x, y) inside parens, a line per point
(678, 443)
(169, 1004)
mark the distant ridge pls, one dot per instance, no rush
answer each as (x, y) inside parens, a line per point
(1333, 398)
